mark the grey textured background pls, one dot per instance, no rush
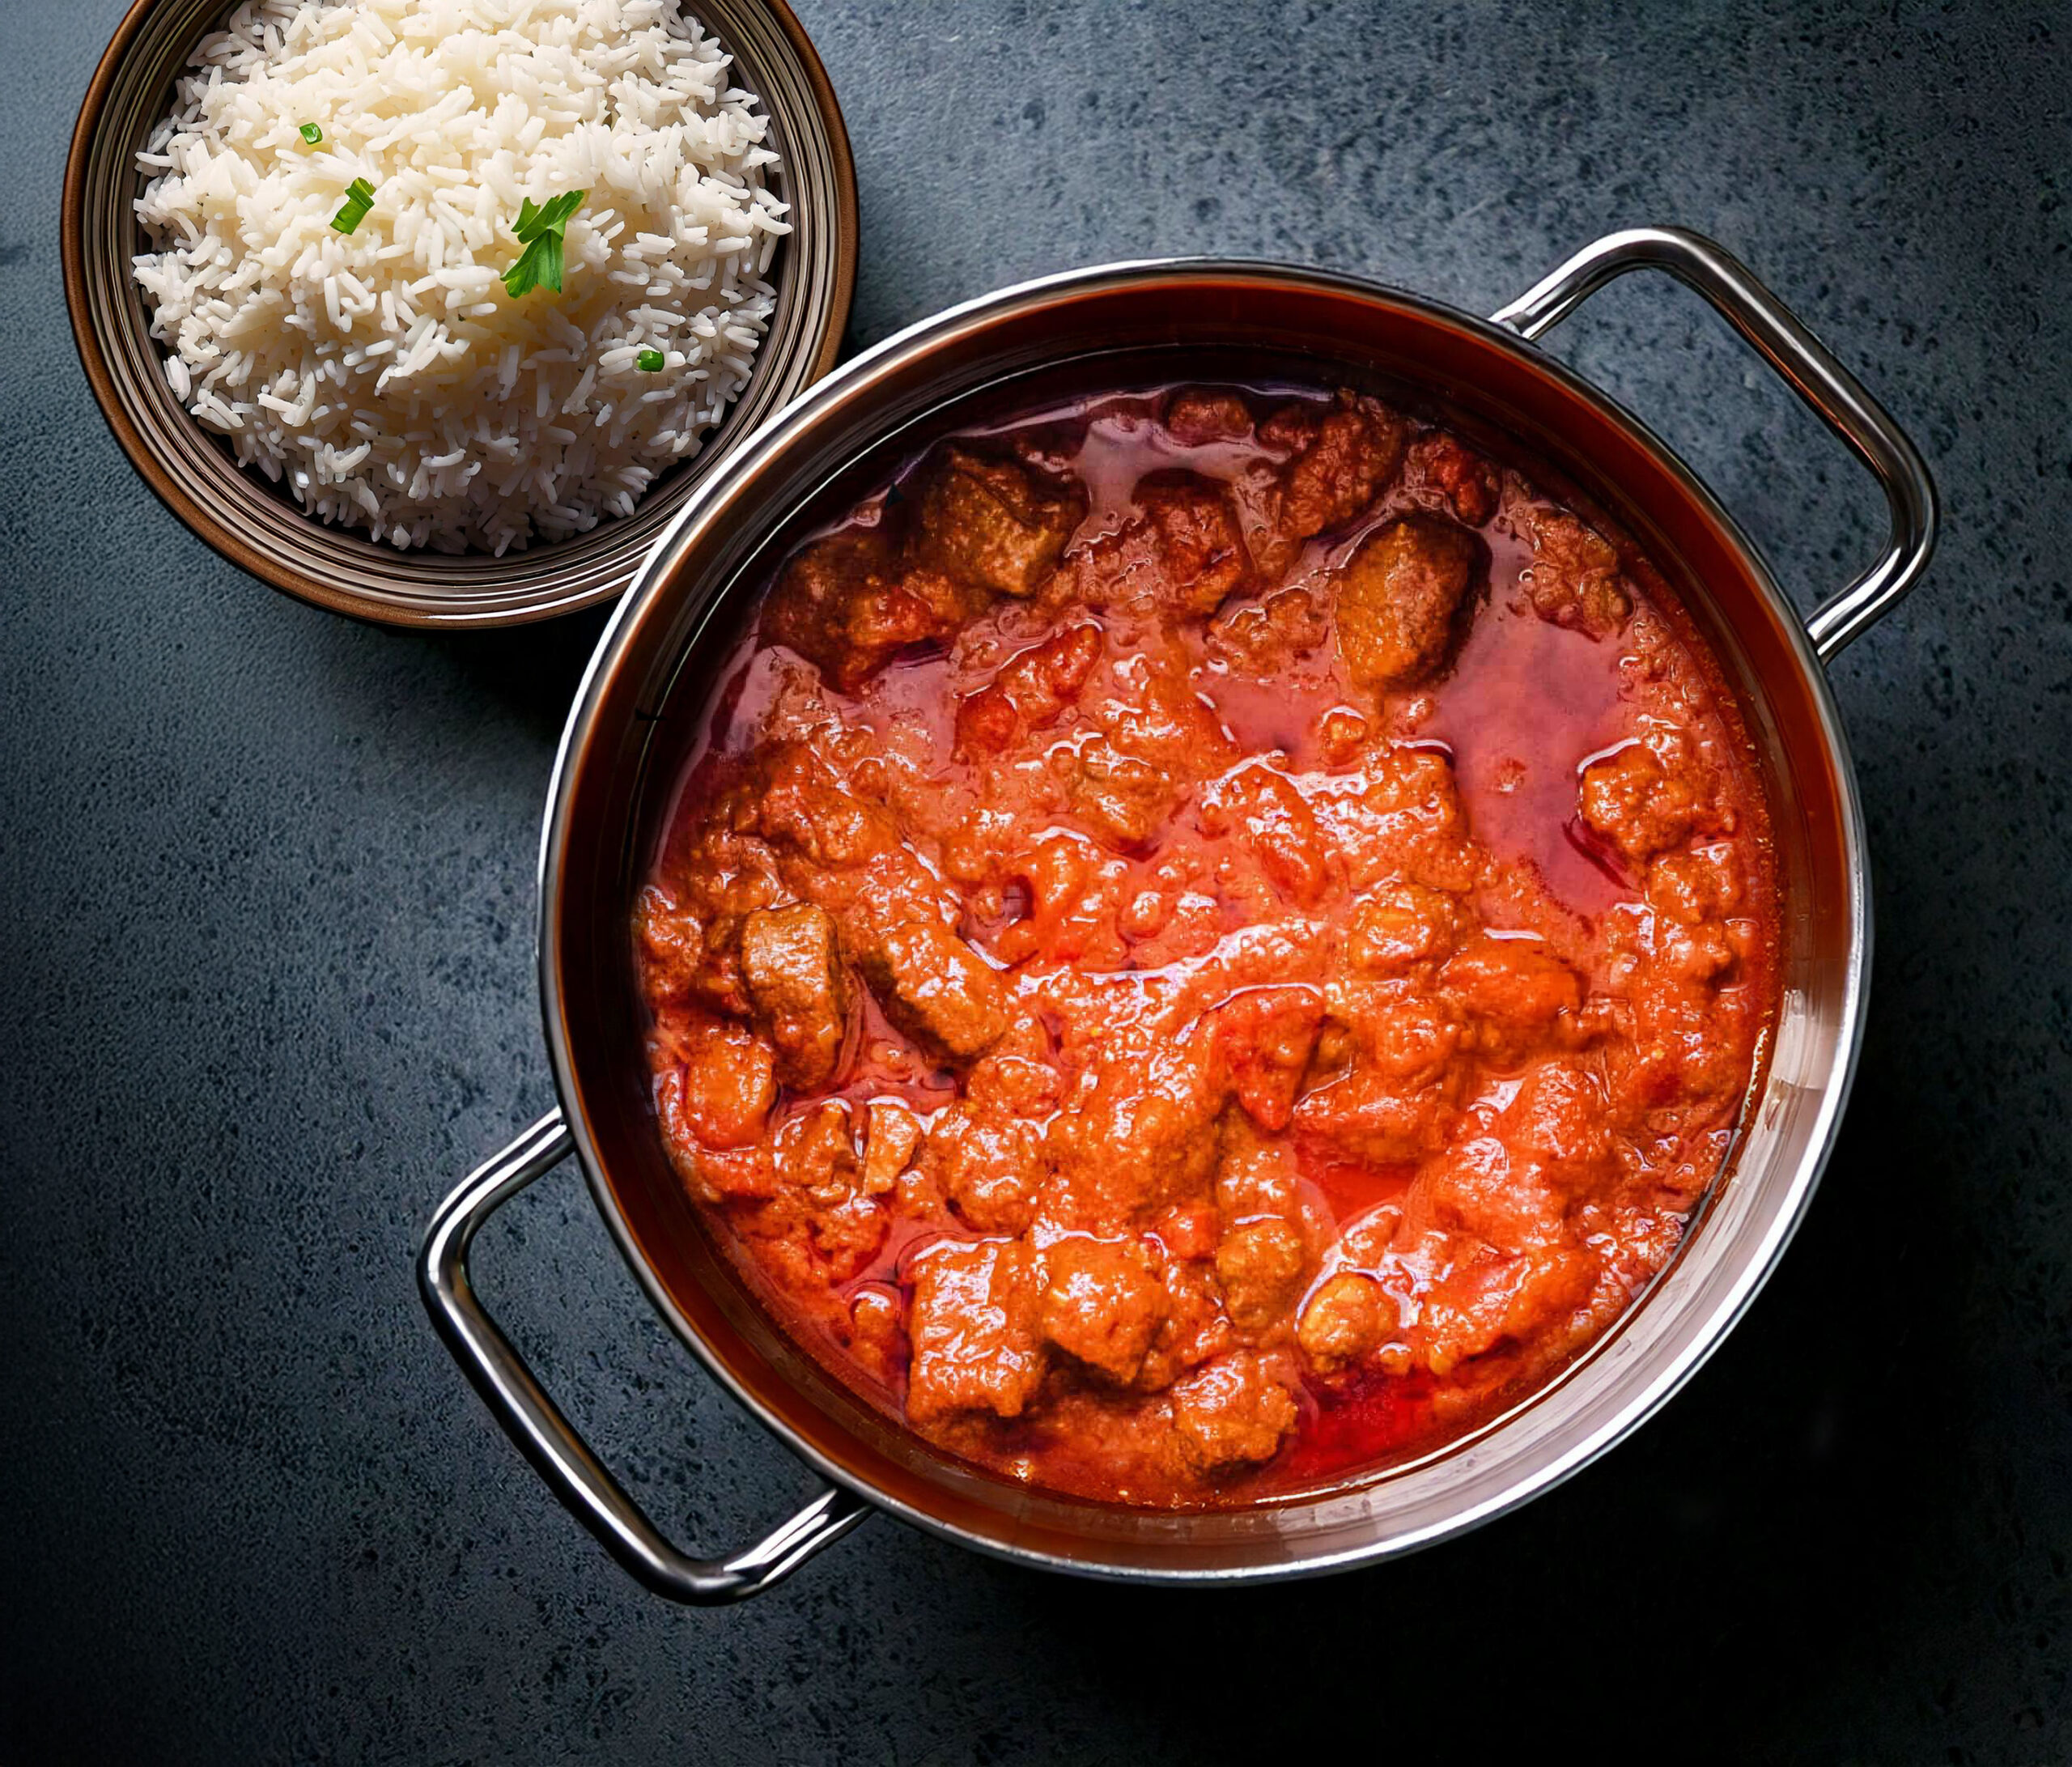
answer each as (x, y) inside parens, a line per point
(268, 993)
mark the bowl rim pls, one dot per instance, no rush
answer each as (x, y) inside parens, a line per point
(1796, 1184)
(223, 536)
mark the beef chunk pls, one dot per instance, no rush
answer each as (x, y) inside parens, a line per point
(1280, 829)
(1265, 637)
(973, 1331)
(937, 989)
(1641, 803)
(1482, 1307)
(1029, 690)
(1265, 1035)
(1260, 1265)
(1573, 578)
(991, 1167)
(994, 523)
(846, 604)
(893, 1134)
(1101, 1305)
(1515, 984)
(1145, 1139)
(1345, 1321)
(1461, 478)
(1199, 415)
(1184, 550)
(1369, 1117)
(1696, 887)
(727, 1083)
(1122, 797)
(1396, 926)
(1399, 599)
(1234, 1413)
(1344, 460)
(797, 979)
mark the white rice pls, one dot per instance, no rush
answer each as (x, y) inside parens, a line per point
(385, 374)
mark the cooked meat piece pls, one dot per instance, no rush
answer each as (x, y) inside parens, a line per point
(1279, 828)
(1516, 983)
(972, 1326)
(1264, 637)
(1029, 690)
(937, 989)
(994, 523)
(729, 1080)
(846, 605)
(1260, 1265)
(1234, 1412)
(991, 1163)
(816, 1152)
(1201, 550)
(894, 1135)
(1480, 1188)
(1265, 1035)
(1368, 1117)
(792, 962)
(877, 1332)
(1145, 1139)
(1184, 550)
(1484, 1304)
(1639, 804)
(1345, 1321)
(1194, 1329)
(1694, 887)
(1123, 798)
(1515, 1188)
(1101, 1305)
(710, 1174)
(1396, 926)
(1573, 579)
(1467, 482)
(1399, 597)
(1344, 458)
(1556, 1118)
(1199, 415)
(1256, 1176)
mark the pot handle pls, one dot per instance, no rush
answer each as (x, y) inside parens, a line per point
(534, 1421)
(1830, 390)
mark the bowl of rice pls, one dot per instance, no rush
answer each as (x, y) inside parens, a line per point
(435, 312)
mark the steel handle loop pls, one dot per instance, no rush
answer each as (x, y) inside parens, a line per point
(1835, 395)
(549, 1441)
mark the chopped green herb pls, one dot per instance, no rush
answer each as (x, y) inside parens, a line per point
(539, 229)
(360, 198)
(650, 362)
(311, 134)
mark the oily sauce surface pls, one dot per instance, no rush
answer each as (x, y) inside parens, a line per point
(1212, 941)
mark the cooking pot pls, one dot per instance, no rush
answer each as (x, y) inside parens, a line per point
(1098, 330)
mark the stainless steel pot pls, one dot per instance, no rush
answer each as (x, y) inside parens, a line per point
(1091, 329)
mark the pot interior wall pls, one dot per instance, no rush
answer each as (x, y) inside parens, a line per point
(643, 708)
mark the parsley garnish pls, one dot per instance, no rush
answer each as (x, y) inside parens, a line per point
(539, 231)
(649, 362)
(311, 134)
(360, 198)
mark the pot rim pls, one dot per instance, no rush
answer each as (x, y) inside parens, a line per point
(918, 339)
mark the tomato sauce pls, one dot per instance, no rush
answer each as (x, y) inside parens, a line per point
(1212, 942)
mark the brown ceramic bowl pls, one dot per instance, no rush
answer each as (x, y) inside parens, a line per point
(257, 525)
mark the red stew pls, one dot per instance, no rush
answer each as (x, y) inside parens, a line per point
(1212, 943)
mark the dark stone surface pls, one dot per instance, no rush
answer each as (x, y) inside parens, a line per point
(268, 882)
